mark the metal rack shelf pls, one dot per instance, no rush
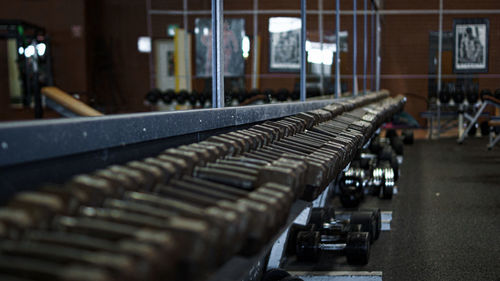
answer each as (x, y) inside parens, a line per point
(22, 142)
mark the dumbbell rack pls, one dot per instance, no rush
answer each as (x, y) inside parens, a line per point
(30, 150)
(79, 146)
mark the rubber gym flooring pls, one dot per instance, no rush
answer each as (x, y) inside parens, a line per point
(446, 216)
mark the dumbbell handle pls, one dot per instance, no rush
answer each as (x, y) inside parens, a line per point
(368, 156)
(332, 247)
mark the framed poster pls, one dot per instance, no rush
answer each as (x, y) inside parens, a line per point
(284, 44)
(470, 50)
(234, 32)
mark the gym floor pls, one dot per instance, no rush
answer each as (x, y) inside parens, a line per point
(446, 216)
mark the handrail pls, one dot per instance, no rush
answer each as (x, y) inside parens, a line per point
(69, 102)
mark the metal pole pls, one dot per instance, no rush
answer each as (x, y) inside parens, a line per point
(303, 36)
(217, 54)
(440, 49)
(354, 50)
(365, 45)
(372, 47)
(255, 43)
(377, 47)
(150, 35)
(320, 29)
(186, 42)
(337, 51)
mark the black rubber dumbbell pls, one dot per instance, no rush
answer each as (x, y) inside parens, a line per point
(153, 96)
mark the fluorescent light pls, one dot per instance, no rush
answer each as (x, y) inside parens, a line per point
(316, 55)
(30, 51)
(40, 49)
(245, 46)
(21, 51)
(284, 24)
(144, 44)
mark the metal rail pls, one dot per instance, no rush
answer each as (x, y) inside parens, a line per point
(43, 139)
(332, 12)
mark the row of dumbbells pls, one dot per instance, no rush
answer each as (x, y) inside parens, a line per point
(373, 171)
(182, 214)
(459, 95)
(232, 98)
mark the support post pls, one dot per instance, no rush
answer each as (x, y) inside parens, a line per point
(337, 50)
(354, 48)
(377, 50)
(440, 50)
(303, 36)
(320, 30)
(365, 44)
(186, 43)
(150, 55)
(217, 54)
(255, 61)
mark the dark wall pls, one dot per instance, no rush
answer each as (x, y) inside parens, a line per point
(118, 73)
(107, 65)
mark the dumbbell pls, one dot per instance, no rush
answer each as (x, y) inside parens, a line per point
(168, 96)
(497, 94)
(351, 187)
(389, 155)
(269, 94)
(193, 98)
(153, 96)
(132, 217)
(472, 94)
(295, 95)
(485, 92)
(458, 95)
(257, 206)
(122, 266)
(370, 220)
(282, 94)
(383, 180)
(229, 96)
(313, 92)
(202, 97)
(139, 251)
(196, 190)
(345, 239)
(395, 141)
(182, 97)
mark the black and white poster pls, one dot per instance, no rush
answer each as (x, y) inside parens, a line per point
(234, 32)
(284, 35)
(470, 51)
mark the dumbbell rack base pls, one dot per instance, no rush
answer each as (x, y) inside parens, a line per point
(338, 275)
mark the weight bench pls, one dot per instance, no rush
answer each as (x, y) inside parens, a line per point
(487, 100)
